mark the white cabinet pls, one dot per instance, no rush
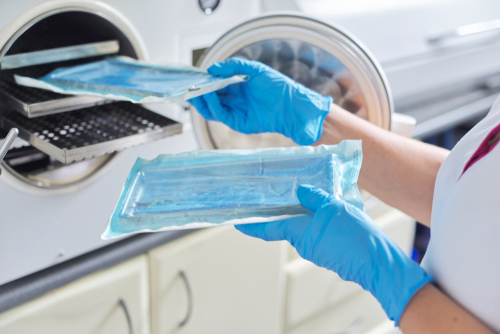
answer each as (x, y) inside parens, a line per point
(356, 315)
(89, 305)
(399, 227)
(214, 280)
(235, 283)
(311, 289)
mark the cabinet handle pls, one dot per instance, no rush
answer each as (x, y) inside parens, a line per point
(123, 304)
(466, 30)
(355, 328)
(182, 274)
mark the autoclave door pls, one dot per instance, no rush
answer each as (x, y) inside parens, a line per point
(314, 53)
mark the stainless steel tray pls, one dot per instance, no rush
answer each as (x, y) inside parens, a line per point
(59, 54)
(32, 102)
(90, 132)
(44, 108)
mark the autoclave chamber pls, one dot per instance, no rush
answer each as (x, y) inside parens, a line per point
(316, 54)
(66, 140)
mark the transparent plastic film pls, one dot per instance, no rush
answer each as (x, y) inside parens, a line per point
(211, 188)
(123, 78)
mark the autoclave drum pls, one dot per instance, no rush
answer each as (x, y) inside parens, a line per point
(318, 55)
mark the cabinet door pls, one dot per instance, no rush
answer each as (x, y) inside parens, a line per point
(234, 283)
(357, 315)
(98, 303)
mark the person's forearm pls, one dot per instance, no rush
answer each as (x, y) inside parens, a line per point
(400, 171)
(431, 311)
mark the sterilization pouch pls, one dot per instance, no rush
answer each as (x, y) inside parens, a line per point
(123, 78)
(211, 188)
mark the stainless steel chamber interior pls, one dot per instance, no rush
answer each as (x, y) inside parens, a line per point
(59, 28)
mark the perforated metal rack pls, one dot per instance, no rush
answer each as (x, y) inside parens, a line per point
(72, 30)
(33, 102)
(90, 132)
(72, 128)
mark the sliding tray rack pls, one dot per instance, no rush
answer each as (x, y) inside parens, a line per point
(39, 51)
(71, 128)
(90, 132)
(34, 102)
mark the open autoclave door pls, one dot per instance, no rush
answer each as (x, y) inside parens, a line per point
(318, 55)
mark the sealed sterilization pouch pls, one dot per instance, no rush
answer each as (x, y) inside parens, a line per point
(211, 188)
(123, 78)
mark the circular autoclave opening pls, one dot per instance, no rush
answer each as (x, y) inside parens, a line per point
(315, 54)
(61, 28)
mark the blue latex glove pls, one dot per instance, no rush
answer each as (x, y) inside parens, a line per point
(268, 102)
(344, 239)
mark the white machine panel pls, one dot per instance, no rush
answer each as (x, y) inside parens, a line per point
(41, 227)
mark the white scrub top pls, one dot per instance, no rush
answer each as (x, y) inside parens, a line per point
(464, 251)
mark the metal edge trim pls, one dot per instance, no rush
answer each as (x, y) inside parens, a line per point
(117, 145)
(91, 151)
(15, 103)
(65, 104)
(52, 106)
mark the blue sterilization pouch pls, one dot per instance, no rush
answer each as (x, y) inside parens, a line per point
(123, 78)
(211, 188)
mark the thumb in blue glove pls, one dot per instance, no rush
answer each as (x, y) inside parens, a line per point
(344, 239)
(268, 102)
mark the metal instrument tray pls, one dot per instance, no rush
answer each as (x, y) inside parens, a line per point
(90, 132)
(33, 102)
(59, 54)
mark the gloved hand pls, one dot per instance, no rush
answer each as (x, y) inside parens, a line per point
(268, 102)
(342, 238)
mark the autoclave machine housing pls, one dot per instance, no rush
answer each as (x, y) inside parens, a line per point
(71, 184)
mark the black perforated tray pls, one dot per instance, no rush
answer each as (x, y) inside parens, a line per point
(34, 102)
(90, 132)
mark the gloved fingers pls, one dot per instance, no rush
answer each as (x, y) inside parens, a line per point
(201, 106)
(217, 109)
(264, 231)
(234, 66)
(274, 231)
(312, 197)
